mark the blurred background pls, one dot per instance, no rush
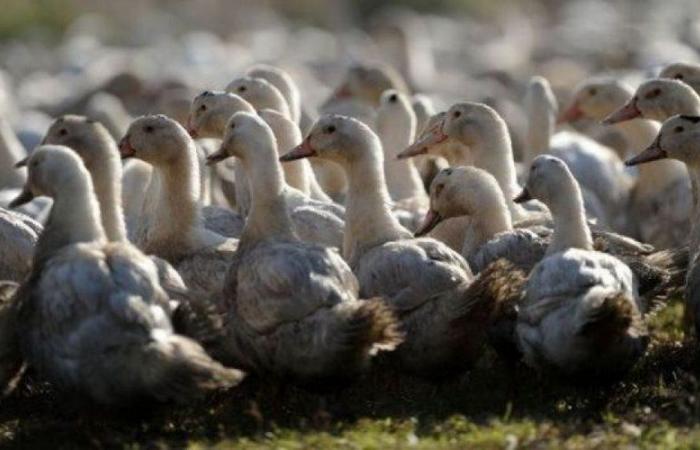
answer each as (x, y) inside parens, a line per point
(54, 54)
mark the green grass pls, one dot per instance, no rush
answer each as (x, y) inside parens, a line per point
(655, 406)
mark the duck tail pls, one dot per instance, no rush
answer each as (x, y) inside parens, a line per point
(675, 261)
(375, 325)
(502, 283)
(611, 318)
(174, 367)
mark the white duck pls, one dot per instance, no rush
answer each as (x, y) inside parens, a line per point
(171, 224)
(93, 317)
(660, 200)
(580, 315)
(208, 116)
(597, 168)
(425, 282)
(678, 139)
(284, 83)
(292, 306)
(481, 129)
(686, 72)
(460, 191)
(396, 124)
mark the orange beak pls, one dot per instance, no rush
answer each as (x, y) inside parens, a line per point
(432, 218)
(125, 148)
(628, 112)
(570, 114)
(303, 150)
(433, 137)
(652, 153)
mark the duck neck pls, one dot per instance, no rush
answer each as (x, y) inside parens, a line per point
(402, 177)
(655, 177)
(177, 213)
(570, 226)
(368, 220)
(268, 217)
(108, 189)
(11, 151)
(540, 129)
(492, 219)
(74, 218)
(495, 155)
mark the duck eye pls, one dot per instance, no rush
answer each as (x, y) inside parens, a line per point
(35, 164)
(241, 88)
(439, 188)
(448, 172)
(203, 108)
(678, 129)
(456, 114)
(233, 125)
(679, 76)
(393, 98)
(653, 94)
(148, 129)
(592, 91)
(330, 129)
(62, 132)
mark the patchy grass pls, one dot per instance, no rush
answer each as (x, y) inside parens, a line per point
(655, 406)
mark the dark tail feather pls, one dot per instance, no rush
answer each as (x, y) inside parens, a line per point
(377, 325)
(503, 284)
(661, 275)
(611, 319)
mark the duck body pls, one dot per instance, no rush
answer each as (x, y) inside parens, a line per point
(580, 316)
(94, 319)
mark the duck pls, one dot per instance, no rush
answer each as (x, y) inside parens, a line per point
(12, 180)
(208, 115)
(312, 222)
(396, 123)
(677, 139)
(305, 322)
(598, 169)
(207, 119)
(426, 283)
(315, 221)
(657, 99)
(111, 340)
(260, 93)
(171, 225)
(284, 82)
(470, 191)
(661, 197)
(580, 314)
(482, 130)
(687, 72)
(265, 90)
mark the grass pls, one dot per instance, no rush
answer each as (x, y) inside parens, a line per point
(655, 406)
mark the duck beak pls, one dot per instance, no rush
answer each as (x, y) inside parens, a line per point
(342, 91)
(424, 143)
(191, 129)
(627, 112)
(523, 197)
(125, 149)
(432, 218)
(570, 114)
(23, 198)
(22, 163)
(303, 150)
(652, 153)
(217, 156)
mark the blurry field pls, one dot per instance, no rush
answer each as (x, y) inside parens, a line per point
(656, 406)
